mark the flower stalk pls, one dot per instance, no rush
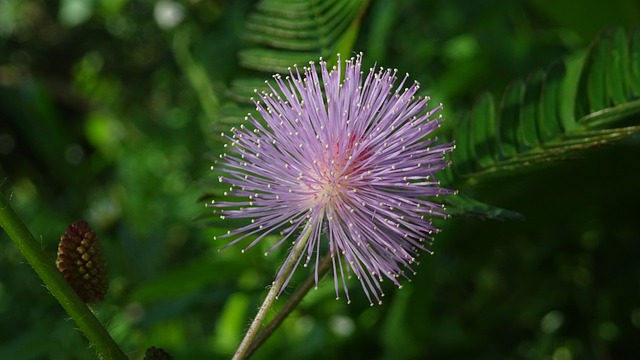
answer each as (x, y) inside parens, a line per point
(286, 270)
(57, 285)
(291, 304)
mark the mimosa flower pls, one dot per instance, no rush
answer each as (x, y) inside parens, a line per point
(347, 159)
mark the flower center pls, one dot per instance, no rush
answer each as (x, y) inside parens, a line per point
(330, 179)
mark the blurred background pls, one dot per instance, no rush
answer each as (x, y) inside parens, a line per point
(110, 111)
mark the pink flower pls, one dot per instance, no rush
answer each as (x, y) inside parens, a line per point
(350, 161)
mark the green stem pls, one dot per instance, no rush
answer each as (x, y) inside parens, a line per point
(291, 304)
(287, 268)
(57, 285)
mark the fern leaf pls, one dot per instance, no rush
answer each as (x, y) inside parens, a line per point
(529, 127)
(287, 32)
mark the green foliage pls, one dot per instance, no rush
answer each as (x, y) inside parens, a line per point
(553, 115)
(290, 32)
(282, 33)
(530, 127)
(105, 115)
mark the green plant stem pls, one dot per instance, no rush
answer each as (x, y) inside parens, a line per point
(287, 268)
(57, 285)
(291, 304)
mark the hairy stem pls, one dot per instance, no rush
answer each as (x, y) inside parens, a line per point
(57, 285)
(287, 268)
(291, 304)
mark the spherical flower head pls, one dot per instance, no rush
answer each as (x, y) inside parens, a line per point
(346, 159)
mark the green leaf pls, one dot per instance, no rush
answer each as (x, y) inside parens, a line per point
(527, 128)
(509, 119)
(531, 128)
(464, 205)
(551, 123)
(634, 62)
(553, 115)
(608, 86)
(283, 33)
(591, 88)
(484, 132)
(287, 32)
(618, 68)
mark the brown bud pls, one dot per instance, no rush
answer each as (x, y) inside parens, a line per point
(154, 353)
(81, 262)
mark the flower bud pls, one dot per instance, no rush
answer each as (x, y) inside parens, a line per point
(81, 262)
